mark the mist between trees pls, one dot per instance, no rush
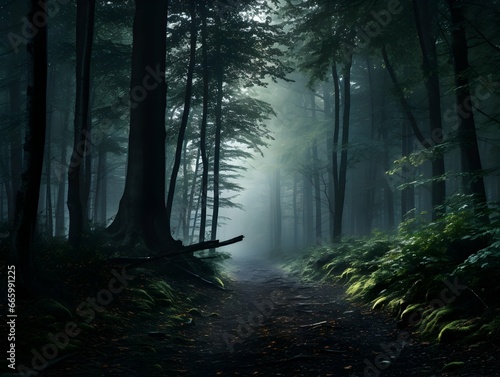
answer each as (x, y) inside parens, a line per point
(328, 119)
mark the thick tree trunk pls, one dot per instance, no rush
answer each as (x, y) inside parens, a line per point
(81, 146)
(426, 22)
(470, 157)
(29, 189)
(142, 216)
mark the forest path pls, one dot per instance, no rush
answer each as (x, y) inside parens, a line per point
(271, 324)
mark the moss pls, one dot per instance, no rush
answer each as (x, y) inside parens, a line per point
(487, 332)
(457, 330)
(432, 318)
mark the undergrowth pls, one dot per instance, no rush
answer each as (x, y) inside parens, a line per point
(441, 278)
(101, 301)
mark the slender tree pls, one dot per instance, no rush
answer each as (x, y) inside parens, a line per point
(81, 147)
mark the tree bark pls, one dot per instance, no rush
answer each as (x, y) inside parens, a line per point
(336, 133)
(317, 188)
(142, 216)
(28, 193)
(473, 182)
(203, 127)
(219, 73)
(81, 146)
(16, 152)
(329, 149)
(185, 113)
(342, 174)
(61, 190)
(426, 22)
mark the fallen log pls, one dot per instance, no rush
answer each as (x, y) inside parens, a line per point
(132, 262)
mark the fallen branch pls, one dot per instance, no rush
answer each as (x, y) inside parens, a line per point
(138, 261)
(313, 324)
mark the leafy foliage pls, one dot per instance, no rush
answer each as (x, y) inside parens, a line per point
(408, 272)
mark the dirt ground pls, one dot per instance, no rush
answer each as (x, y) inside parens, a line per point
(271, 324)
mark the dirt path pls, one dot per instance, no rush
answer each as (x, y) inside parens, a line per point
(271, 324)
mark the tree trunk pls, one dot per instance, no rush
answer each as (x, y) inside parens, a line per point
(408, 193)
(100, 202)
(426, 22)
(49, 225)
(295, 212)
(371, 182)
(29, 189)
(190, 205)
(329, 149)
(203, 127)
(317, 188)
(142, 216)
(81, 146)
(219, 73)
(277, 211)
(61, 190)
(342, 174)
(16, 152)
(185, 113)
(307, 207)
(470, 157)
(336, 133)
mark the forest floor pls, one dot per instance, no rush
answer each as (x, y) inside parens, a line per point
(268, 323)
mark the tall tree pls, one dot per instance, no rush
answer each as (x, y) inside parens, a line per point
(426, 12)
(79, 162)
(28, 192)
(342, 173)
(204, 120)
(470, 158)
(185, 113)
(142, 216)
